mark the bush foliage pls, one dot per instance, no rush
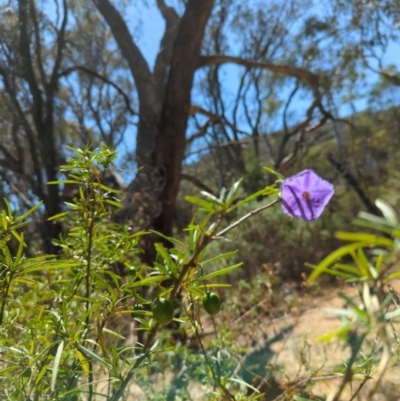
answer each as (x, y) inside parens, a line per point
(61, 316)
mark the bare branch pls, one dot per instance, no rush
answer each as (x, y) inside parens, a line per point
(303, 75)
(28, 65)
(197, 182)
(99, 76)
(299, 73)
(137, 63)
(38, 44)
(60, 48)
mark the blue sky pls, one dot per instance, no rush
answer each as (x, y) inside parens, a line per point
(149, 28)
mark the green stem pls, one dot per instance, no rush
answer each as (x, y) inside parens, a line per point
(192, 262)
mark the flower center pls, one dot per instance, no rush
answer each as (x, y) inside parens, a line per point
(306, 195)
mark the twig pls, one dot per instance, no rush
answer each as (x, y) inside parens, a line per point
(244, 218)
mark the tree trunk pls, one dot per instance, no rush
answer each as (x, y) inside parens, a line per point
(171, 139)
(164, 98)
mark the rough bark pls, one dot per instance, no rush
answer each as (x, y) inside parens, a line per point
(170, 144)
(164, 97)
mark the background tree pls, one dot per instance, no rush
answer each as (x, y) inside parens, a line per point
(242, 83)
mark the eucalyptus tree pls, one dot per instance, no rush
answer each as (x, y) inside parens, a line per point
(54, 85)
(182, 100)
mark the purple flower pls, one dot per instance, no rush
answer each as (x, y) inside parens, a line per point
(305, 195)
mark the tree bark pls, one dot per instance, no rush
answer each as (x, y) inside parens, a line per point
(164, 97)
(171, 139)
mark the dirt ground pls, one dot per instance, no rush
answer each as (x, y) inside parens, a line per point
(284, 355)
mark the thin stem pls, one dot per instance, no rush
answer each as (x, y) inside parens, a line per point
(87, 281)
(3, 305)
(244, 218)
(192, 262)
(348, 374)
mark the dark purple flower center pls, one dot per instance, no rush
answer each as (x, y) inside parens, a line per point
(306, 195)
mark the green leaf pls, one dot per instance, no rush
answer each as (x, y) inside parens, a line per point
(196, 291)
(348, 268)
(368, 238)
(392, 314)
(213, 198)
(29, 212)
(25, 280)
(170, 239)
(391, 277)
(263, 192)
(206, 206)
(242, 383)
(341, 332)
(92, 355)
(272, 171)
(333, 257)
(56, 365)
(226, 255)
(173, 268)
(20, 250)
(232, 192)
(221, 272)
(147, 281)
(59, 215)
(388, 212)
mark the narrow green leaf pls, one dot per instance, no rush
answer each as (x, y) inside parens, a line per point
(243, 383)
(391, 277)
(213, 198)
(333, 257)
(276, 173)
(59, 215)
(63, 182)
(263, 192)
(206, 206)
(113, 203)
(348, 268)
(369, 238)
(56, 365)
(170, 239)
(148, 281)
(388, 212)
(392, 314)
(29, 212)
(196, 291)
(25, 280)
(173, 268)
(90, 354)
(221, 272)
(20, 250)
(232, 192)
(226, 255)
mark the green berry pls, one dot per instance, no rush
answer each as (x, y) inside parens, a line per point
(163, 311)
(212, 303)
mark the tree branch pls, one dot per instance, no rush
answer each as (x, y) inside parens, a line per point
(164, 56)
(69, 70)
(299, 73)
(132, 54)
(28, 65)
(308, 77)
(60, 47)
(197, 182)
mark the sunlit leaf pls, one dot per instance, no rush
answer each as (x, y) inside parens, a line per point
(221, 272)
(56, 365)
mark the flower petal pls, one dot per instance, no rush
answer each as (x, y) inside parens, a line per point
(305, 195)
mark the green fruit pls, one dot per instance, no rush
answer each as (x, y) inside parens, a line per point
(212, 303)
(163, 311)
